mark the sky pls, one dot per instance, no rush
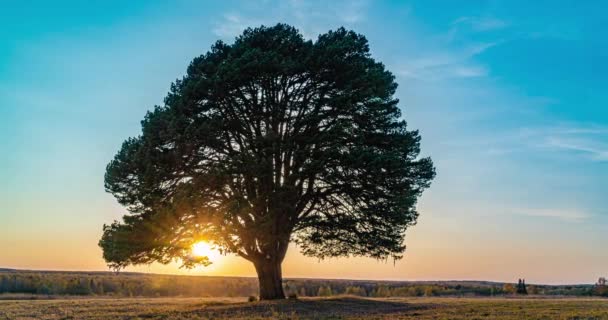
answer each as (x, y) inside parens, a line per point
(509, 98)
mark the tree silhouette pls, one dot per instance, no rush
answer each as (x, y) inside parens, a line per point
(521, 287)
(269, 140)
(601, 287)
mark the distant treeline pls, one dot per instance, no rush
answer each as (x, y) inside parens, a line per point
(152, 285)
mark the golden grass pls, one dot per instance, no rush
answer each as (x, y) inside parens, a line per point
(307, 308)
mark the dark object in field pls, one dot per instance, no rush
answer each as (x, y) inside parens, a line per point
(521, 287)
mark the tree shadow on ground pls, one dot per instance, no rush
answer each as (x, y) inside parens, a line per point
(308, 308)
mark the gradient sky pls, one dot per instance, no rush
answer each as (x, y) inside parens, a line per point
(510, 98)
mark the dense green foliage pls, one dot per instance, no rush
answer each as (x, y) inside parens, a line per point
(265, 141)
(148, 285)
(124, 284)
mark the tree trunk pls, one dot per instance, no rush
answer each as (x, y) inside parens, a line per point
(270, 280)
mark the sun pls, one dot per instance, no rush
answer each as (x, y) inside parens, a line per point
(204, 249)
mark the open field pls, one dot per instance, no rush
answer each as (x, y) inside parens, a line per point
(309, 308)
(73, 284)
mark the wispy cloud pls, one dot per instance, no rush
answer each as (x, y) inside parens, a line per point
(574, 215)
(478, 48)
(480, 24)
(582, 141)
(453, 54)
(232, 25)
(307, 16)
(353, 11)
(446, 64)
(595, 150)
(587, 140)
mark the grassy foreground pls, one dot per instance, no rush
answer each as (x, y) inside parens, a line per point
(313, 308)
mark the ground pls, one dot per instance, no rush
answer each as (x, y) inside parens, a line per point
(307, 308)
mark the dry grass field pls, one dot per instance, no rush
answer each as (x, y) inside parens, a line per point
(307, 308)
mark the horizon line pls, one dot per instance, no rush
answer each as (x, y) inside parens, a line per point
(8, 269)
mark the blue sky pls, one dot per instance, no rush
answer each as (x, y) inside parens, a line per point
(509, 97)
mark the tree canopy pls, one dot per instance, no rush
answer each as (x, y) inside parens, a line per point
(269, 140)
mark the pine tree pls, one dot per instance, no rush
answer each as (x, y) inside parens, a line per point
(268, 140)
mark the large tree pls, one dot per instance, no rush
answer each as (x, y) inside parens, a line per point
(269, 140)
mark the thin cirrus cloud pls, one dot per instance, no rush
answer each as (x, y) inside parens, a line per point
(573, 215)
(450, 57)
(480, 24)
(347, 12)
(589, 141)
(445, 64)
(310, 19)
(580, 141)
(232, 24)
(439, 69)
(353, 12)
(593, 149)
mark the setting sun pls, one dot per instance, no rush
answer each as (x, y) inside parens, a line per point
(204, 249)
